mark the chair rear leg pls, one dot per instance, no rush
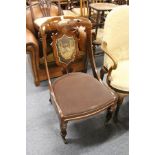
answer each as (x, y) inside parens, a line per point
(108, 116)
(103, 71)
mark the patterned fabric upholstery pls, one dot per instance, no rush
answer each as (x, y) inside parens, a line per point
(81, 46)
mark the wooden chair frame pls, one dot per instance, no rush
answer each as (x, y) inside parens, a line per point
(51, 25)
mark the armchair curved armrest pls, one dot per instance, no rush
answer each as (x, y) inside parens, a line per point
(104, 48)
(105, 69)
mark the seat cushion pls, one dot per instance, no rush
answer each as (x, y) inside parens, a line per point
(120, 77)
(39, 21)
(116, 32)
(78, 93)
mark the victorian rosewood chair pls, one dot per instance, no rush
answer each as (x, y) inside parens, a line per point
(115, 46)
(74, 95)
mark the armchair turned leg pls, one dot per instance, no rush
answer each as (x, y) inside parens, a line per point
(63, 127)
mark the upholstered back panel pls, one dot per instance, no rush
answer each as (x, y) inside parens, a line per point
(116, 33)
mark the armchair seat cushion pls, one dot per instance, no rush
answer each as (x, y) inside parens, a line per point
(78, 93)
(39, 21)
(120, 76)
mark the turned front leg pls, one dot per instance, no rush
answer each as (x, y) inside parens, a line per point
(119, 102)
(63, 127)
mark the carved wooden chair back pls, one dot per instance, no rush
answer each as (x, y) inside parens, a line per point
(64, 41)
(44, 8)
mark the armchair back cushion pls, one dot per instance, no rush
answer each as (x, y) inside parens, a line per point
(116, 32)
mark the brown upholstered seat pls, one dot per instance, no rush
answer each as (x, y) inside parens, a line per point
(79, 90)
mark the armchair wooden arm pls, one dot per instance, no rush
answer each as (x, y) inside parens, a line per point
(104, 48)
(105, 69)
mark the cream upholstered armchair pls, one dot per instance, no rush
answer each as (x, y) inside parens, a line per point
(116, 47)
